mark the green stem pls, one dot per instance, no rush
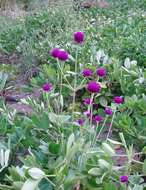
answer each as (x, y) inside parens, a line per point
(61, 81)
(110, 128)
(48, 101)
(75, 80)
(90, 109)
(126, 186)
(50, 182)
(5, 187)
(82, 82)
(51, 175)
(102, 127)
(61, 106)
(94, 139)
(63, 74)
(136, 161)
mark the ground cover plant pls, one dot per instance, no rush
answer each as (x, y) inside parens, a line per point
(72, 107)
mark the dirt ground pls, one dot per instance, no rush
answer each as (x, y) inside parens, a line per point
(14, 11)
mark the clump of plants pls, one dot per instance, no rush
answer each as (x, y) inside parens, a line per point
(86, 129)
(71, 139)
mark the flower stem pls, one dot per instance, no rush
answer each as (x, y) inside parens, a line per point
(82, 82)
(94, 138)
(61, 82)
(5, 187)
(50, 175)
(110, 128)
(75, 80)
(50, 182)
(62, 73)
(91, 108)
(61, 106)
(103, 125)
(48, 102)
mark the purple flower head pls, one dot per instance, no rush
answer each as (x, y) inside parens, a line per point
(63, 55)
(93, 87)
(87, 101)
(87, 72)
(108, 111)
(101, 72)
(47, 87)
(81, 121)
(79, 37)
(124, 179)
(54, 52)
(98, 118)
(118, 99)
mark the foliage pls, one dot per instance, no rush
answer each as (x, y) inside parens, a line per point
(65, 142)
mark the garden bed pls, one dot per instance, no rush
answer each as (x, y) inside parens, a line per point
(72, 99)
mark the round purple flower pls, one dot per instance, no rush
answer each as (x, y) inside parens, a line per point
(79, 37)
(54, 52)
(87, 101)
(93, 87)
(118, 99)
(47, 87)
(81, 121)
(87, 72)
(101, 72)
(63, 55)
(108, 111)
(124, 179)
(98, 118)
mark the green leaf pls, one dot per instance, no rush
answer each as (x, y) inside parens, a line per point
(114, 142)
(103, 85)
(103, 102)
(36, 173)
(4, 158)
(29, 161)
(41, 122)
(110, 186)
(45, 185)
(135, 179)
(53, 117)
(95, 171)
(3, 80)
(108, 149)
(58, 119)
(144, 167)
(103, 164)
(17, 185)
(54, 148)
(30, 184)
(16, 173)
(71, 152)
(122, 139)
(99, 180)
(138, 187)
(49, 70)
(144, 150)
(61, 100)
(70, 142)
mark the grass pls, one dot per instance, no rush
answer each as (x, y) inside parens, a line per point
(120, 30)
